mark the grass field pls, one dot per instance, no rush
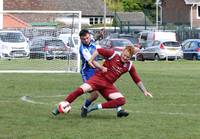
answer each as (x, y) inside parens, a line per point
(173, 113)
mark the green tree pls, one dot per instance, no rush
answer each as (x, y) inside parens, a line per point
(131, 5)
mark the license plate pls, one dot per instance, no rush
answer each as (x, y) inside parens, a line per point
(173, 49)
(57, 52)
(17, 55)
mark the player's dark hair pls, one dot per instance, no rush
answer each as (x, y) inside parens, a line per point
(83, 32)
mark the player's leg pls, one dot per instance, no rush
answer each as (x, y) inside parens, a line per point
(88, 101)
(73, 95)
(86, 75)
(114, 100)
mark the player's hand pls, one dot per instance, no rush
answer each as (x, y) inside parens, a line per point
(148, 94)
(104, 69)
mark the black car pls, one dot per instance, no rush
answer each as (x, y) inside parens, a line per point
(48, 48)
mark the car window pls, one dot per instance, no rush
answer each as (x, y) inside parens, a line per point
(193, 44)
(108, 43)
(198, 44)
(130, 38)
(171, 44)
(143, 37)
(57, 43)
(36, 43)
(11, 37)
(155, 43)
(120, 43)
(186, 45)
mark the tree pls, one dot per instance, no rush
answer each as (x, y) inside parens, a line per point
(131, 5)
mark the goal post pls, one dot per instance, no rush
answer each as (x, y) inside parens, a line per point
(40, 41)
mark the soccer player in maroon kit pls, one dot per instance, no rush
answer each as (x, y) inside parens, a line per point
(114, 66)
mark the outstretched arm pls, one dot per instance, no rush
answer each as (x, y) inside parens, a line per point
(94, 63)
(143, 89)
(138, 81)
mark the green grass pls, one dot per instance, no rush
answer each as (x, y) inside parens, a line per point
(36, 64)
(173, 113)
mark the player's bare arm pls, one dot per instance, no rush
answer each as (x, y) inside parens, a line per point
(94, 63)
(143, 89)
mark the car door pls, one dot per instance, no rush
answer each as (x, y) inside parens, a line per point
(150, 50)
(186, 50)
(192, 50)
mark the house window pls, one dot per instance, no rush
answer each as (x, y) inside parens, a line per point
(101, 20)
(91, 21)
(95, 20)
(198, 11)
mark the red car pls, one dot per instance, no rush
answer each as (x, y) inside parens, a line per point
(116, 43)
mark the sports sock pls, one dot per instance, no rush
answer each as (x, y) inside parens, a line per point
(87, 103)
(118, 108)
(114, 103)
(95, 107)
(73, 95)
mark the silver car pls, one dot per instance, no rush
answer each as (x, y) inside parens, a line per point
(161, 49)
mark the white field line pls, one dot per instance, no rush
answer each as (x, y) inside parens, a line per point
(48, 96)
(27, 99)
(166, 113)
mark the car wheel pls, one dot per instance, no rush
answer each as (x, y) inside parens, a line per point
(156, 57)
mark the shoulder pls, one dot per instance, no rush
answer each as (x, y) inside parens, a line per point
(92, 44)
(106, 52)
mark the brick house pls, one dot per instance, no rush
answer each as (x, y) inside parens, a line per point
(181, 12)
(92, 10)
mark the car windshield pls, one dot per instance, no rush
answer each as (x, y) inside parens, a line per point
(11, 37)
(57, 43)
(171, 44)
(121, 43)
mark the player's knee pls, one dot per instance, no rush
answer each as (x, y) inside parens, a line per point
(121, 101)
(94, 95)
(86, 87)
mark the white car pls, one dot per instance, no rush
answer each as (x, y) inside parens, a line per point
(13, 44)
(162, 49)
(71, 40)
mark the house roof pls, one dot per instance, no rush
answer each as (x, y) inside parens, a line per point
(10, 21)
(88, 7)
(136, 18)
(192, 1)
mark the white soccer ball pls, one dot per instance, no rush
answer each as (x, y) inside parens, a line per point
(64, 107)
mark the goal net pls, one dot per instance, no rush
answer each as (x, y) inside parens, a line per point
(40, 41)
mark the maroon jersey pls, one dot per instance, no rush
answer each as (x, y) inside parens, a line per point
(116, 67)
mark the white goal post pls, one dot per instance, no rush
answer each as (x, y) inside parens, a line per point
(52, 41)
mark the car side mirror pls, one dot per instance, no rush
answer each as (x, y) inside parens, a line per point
(27, 39)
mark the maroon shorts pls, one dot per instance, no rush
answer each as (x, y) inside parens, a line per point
(102, 85)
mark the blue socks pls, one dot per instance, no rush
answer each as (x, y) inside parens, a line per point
(87, 103)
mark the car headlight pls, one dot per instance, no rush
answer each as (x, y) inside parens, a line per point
(5, 47)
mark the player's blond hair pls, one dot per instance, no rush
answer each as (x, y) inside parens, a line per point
(130, 49)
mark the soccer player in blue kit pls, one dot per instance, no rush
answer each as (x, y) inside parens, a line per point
(87, 48)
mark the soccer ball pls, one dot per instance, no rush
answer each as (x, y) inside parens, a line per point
(64, 107)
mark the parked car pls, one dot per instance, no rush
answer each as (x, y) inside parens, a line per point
(48, 47)
(129, 37)
(116, 44)
(147, 37)
(191, 49)
(163, 49)
(13, 44)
